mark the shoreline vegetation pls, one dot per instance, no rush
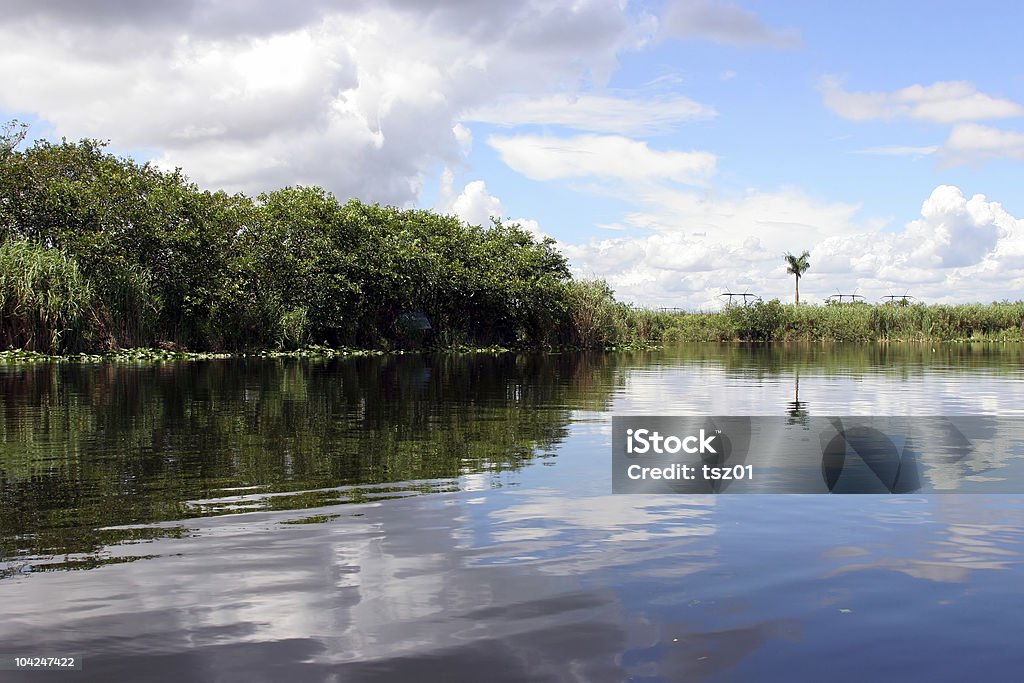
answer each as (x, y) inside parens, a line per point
(628, 329)
(102, 257)
(773, 321)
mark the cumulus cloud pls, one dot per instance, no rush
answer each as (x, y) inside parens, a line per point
(960, 249)
(942, 102)
(954, 231)
(677, 270)
(364, 97)
(360, 97)
(724, 23)
(196, 17)
(541, 157)
(475, 205)
(596, 113)
(694, 246)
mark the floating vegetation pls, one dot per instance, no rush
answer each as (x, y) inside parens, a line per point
(159, 355)
(55, 541)
(313, 519)
(69, 564)
(127, 535)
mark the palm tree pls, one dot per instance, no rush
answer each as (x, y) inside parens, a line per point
(797, 265)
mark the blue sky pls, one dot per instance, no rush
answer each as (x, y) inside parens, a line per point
(675, 148)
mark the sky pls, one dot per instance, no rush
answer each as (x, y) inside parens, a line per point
(676, 149)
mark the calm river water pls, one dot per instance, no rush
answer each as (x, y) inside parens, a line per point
(450, 518)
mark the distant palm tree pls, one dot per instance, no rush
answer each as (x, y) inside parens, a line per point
(797, 265)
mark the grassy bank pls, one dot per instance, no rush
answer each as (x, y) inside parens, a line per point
(774, 321)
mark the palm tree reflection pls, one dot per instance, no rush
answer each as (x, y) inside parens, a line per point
(797, 409)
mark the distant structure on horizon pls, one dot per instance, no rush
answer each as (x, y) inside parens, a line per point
(744, 296)
(844, 298)
(898, 299)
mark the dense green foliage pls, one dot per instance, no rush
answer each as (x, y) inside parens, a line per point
(44, 300)
(99, 252)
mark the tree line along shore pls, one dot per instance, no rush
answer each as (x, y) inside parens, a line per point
(99, 253)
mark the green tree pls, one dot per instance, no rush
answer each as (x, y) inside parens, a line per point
(797, 266)
(151, 243)
(12, 134)
(165, 263)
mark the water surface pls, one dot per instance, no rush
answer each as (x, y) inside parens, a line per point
(450, 518)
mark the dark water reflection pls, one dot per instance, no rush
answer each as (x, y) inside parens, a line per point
(455, 524)
(87, 447)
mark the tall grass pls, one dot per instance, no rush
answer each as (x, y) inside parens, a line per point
(46, 304)
(594, 319)
(774, 321)
(128, 309)
(1002, 321)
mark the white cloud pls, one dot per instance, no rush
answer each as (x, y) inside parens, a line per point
(954, 234)
(364, 98)
(967, 143)
(961, 249)
(942, 102)
(901, 150)
(360, 97)
(970, 142)
(600, 156)
(955, 231)
(956, 102)
(723, 23)
(597, 113)
(476, 205)
(697, 246)
(786, 217)
(463, 136)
